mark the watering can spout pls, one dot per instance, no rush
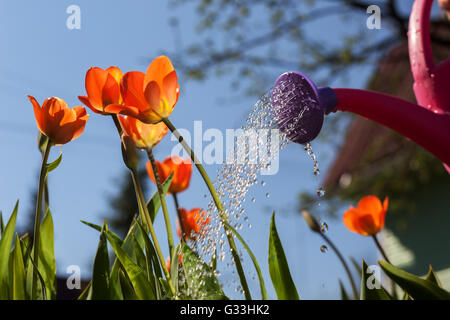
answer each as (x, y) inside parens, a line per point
(299, 109)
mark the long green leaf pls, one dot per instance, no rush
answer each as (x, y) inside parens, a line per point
(278, 267)
(154, 203)
(141, 261)
(53, 165)
(262, 285)
(19, 276)
(126, 287)
(433, 277)
(371, 293)
(99, 229)
(47, 262)
(87, 292)
(201, 281)
(417, 288)
(152, 262)
(174, 267)
(5, 247)
(100, 277)
(2, 224)
(135, 273)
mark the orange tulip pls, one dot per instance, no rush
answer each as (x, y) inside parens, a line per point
(368, 218)
(193, 221)
(151, 96)
(103, 90)
(181, 168)
(57, 121)
(143, 135)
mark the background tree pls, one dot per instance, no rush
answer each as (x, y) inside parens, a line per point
(259, 35)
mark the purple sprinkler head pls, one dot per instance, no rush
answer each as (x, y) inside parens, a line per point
(299, 107)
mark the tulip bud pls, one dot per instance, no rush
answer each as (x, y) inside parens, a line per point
(311, 221)
(129, 153)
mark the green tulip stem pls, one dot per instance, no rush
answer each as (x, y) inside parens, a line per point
(162, 199)
(37, 216)
(378, 244)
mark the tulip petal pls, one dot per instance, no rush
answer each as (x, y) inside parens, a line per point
(171, 88)
(350, 220)
(87, 103)
(116, 73)
(153, 96)
(370, 204)
(38, 114)
(122, 109)
(94, 83)
(131, 86)
(158, 69)
(110, 91)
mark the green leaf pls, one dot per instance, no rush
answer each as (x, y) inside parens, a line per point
(2, 224)
(100, 277)
(432, 276)
(53, 165)
(128, 246)
(154, 203)
(87, 292)
(344, 295)
(25, 243)
(126, 287)
(19, 276)
(417, 288)
(174, 267)
(371, 293)
(99, 228)
(5, 247)
(152, 262)
(202, 283)
(115, 288)
(142, 263)
(135, 273)
(32, 267)
(47, 263)
(278, 267)
(255, 262)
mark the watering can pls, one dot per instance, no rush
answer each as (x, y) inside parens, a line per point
(427, 123)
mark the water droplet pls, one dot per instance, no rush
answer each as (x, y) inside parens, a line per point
(324, 248)
(324, 227)
(267, 195)
(320, 192)
(263, 183)
(253, 199)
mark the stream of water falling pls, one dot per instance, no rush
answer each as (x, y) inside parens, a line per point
(235, 178)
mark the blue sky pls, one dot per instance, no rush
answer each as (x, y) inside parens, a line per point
(41, 57)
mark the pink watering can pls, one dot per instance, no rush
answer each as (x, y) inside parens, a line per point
(427, 123)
